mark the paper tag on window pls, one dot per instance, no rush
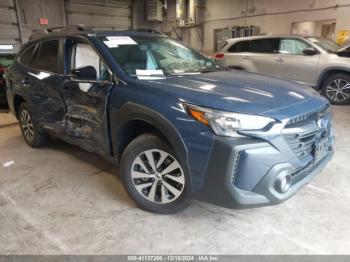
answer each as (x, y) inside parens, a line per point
(122, 40)
(149, 74)
(178, 71)
(140, 72)
(111, 44)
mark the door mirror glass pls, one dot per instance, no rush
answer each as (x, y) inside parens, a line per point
(85, 73)
(309, 51)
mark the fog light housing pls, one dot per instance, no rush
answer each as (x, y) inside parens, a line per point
(283, 183)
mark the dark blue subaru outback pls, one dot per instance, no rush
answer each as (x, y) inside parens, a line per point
(181, 126)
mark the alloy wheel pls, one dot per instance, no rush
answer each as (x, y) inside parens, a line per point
(338, 90)
(158, 176)
(27, 125)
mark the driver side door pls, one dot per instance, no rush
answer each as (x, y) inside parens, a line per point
(85, 94)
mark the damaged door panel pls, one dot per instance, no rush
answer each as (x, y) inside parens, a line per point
(85, 94)
(85, 118)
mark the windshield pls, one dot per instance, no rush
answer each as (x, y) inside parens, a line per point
(325, 44)
(156, 56)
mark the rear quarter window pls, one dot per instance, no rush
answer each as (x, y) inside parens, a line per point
(26, 56)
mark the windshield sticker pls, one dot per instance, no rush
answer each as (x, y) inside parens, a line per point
(121, 40)
(111, 44)
(314, 40)
(178, 71)
(157, 72)
(149, 74)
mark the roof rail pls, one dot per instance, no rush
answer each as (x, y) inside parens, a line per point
(149, 30)
(69, 29)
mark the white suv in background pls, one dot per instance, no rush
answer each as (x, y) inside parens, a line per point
(312, 61)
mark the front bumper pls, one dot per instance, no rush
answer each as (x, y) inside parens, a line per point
(242, 173)
(248, 171)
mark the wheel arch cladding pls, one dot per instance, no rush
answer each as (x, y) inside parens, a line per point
(328, 72)
(142, 120)
(17, 101)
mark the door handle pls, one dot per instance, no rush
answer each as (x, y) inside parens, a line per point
(25, 83)
(246, 57)
(279, 59)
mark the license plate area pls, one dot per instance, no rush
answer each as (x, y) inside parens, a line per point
(321, 149)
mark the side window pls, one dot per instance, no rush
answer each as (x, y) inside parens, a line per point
(84, 55)
(32, 62)
(27, 55)
(47, 57)
(239, 47)
(292, 46)
(268, 45)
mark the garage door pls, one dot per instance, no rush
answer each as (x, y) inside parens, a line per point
(100, 14)
(9, 32)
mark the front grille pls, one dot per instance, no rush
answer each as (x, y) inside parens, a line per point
(302, 136)
(302, 145)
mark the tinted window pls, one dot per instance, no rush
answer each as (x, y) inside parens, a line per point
(292, 46)
(32, 62)
(47, 57)
(27, 55)
(264, 45)
(239, 47)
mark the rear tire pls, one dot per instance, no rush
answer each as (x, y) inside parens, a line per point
(29, 128)
(336, 88)
(153, 177)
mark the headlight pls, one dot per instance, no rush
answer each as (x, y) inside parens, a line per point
(226, 123)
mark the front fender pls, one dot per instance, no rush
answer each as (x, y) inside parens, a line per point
(132, 111)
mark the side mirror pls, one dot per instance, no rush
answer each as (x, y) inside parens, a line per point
(343, 51)
(85, 73)
(309, 51)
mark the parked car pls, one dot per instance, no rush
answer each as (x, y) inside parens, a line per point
(179, 125)
(6, 60)
(312, 61)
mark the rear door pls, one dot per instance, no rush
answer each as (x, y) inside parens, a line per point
(235, 53)
(291, 63)
(38, 76)
(261, 56)
(44, 82)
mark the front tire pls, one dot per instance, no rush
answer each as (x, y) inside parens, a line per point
(336, 89)
(29, 128)
(153, 176)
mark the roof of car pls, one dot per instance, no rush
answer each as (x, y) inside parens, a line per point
(125, 33)
(83, 30)
(267, 36)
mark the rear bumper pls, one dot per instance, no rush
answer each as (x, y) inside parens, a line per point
(245, 172)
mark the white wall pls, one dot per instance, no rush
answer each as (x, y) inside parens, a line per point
(264, 13)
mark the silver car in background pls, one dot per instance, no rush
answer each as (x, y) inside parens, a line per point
(312, 61)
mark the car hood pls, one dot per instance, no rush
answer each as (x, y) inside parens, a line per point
(242, 92)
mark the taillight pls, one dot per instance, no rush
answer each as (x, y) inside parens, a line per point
(219, 56)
